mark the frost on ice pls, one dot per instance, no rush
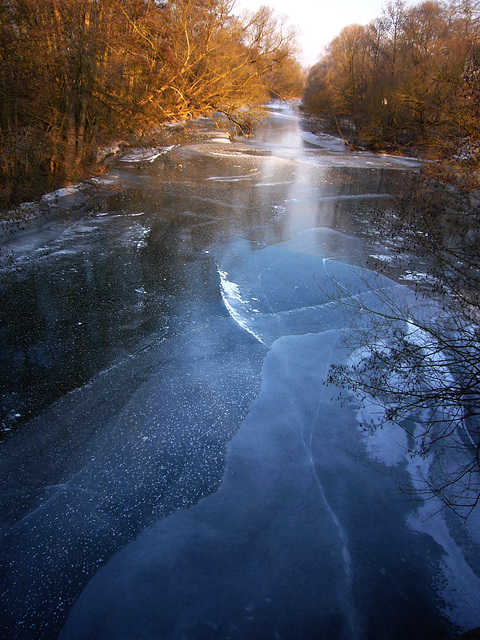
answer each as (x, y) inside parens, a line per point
(284, 546)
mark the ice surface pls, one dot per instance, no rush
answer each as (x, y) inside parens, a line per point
(237, 506)
(268, 554)
(281, 548)
(143, 439)
(457, 584)
(243, 563)
(288, 291)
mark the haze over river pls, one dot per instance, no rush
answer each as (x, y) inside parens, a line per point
(172, 464)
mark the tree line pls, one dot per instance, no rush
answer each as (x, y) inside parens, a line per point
(408, 79)
(78, 74)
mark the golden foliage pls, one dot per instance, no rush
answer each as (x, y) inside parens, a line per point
(77, 74)
(406, 79)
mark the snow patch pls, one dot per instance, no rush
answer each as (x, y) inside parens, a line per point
(149, 154)
(457, 585)
(386, 443)
(381, 257)
(229, 178)
(61, 193)
(323, 140)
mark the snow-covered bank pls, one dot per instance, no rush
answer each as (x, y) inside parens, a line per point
(332, 143)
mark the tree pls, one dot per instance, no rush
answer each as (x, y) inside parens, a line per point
(419, 362)
(78, 74)
(403, 80)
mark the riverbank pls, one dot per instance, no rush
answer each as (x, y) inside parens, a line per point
(345, 130)
(44, 194)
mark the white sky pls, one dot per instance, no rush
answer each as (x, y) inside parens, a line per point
(319, 21)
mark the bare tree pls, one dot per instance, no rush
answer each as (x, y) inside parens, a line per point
(406, 76)
(418, 359)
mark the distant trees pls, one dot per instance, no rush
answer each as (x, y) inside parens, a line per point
(74, 74)
(404, 79)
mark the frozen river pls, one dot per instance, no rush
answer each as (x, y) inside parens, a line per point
(172, 464)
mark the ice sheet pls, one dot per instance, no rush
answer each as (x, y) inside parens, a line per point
(284, 547)
(331, 143)
(303, 532)
(297, 291)
(104, 470)
(243, 563)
